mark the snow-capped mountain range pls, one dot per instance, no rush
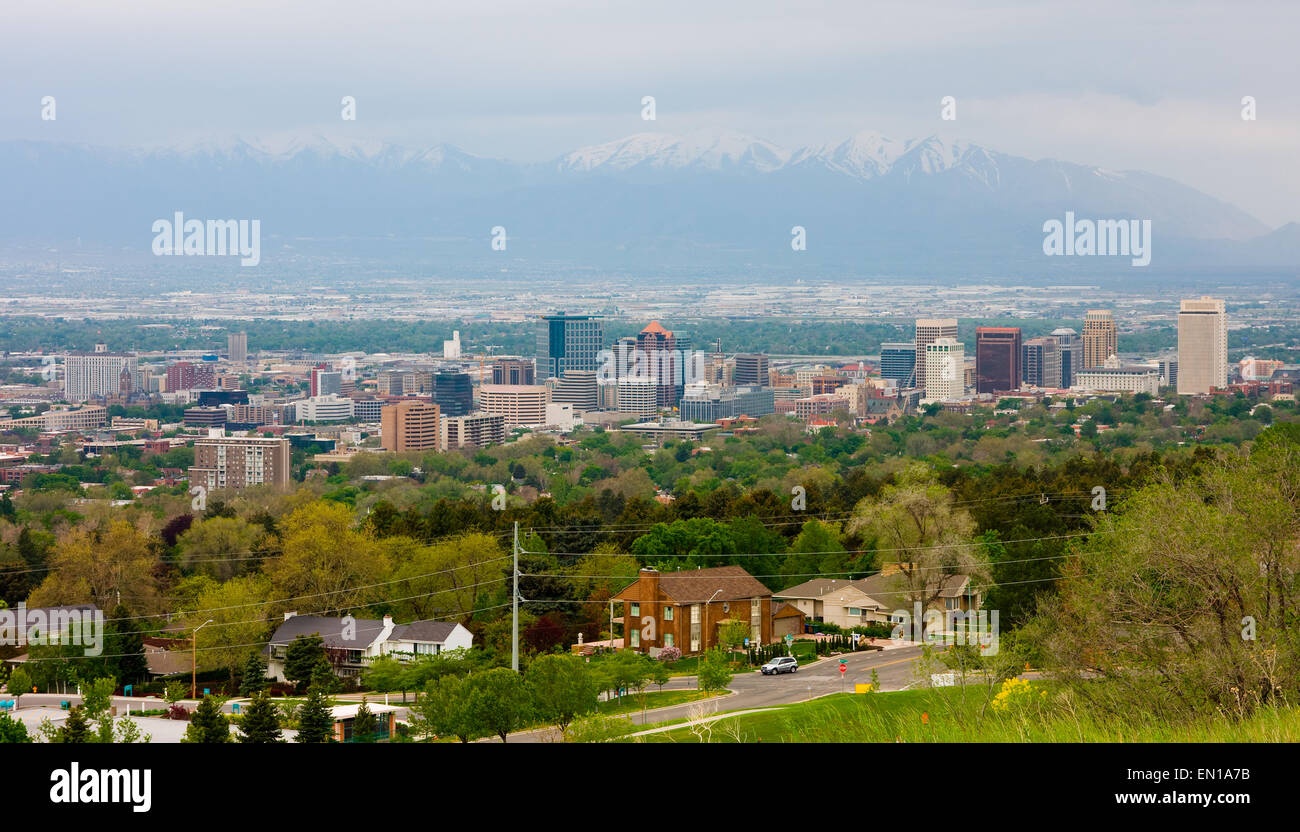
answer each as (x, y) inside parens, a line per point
(867, 199)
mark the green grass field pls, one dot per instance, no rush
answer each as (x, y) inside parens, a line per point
(948, 715)
(653, 699)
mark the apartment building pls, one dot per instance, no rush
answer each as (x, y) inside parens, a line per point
(476, 430)
(235, 462)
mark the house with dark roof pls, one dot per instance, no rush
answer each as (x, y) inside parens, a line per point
(685, 609)
(352, 643)
(875, 599)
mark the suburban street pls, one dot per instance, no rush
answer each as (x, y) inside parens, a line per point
(754, 690)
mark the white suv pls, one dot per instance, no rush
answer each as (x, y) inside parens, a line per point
(781, 664)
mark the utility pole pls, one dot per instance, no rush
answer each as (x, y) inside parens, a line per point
(194, 659)
(514, 638)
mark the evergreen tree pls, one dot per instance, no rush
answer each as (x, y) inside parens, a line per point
(124, 647)
(254, 679)
(75, 728)
(12, 730)
(301, 658)
(364, 724)
(315, 723)
(261, 722)
(208, 724)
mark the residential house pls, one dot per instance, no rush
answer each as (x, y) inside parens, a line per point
(875, 599)
(352, 643)
(684, 609)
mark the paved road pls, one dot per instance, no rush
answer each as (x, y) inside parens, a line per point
(753, 690)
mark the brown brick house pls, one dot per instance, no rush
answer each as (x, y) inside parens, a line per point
(684, 609)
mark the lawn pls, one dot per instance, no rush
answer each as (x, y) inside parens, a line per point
(948, 715)
(653, 699)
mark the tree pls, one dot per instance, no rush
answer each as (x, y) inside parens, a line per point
(715, 671)
(315, 723)
(324, 558)
(124, 647)
(562, 688)
(921, 532)
(254, 676)
(364, 724)
(386, 674)
(1185, 599)
(302, 657)
(12, 730)
(627, 670)
(94, 565)
(445, 579)
(261, 721)
(219, 546)
(442, 709)
(75, 728)
(498, 701)
(238, 610)
(209, 724)
(733, 632)
(19, 682)
(659, 675)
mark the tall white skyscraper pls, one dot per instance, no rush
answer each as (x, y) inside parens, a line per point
(927, 331)
(945, 369)
(1202, 346)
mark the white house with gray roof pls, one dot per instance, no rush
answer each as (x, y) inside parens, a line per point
(355, 642)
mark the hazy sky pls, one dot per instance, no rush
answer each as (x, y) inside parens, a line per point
(1149, 85)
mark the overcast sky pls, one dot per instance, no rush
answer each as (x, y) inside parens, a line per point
(1152, 85)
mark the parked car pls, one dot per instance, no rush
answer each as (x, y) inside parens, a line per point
(781, 664)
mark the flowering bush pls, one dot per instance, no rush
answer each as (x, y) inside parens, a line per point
(1013, 694)
(669, 654)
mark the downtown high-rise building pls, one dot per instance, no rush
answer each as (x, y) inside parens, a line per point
(666, 355)
(410, 426)
(513, 371)
(898, 362)
(1202, 346)
(997, 359)
(750, 370)
(237, 347)
(568, 342)
(945, 361)
(453, 393)
(1067, 345)
(97, 375)
(1041, 363)
(1100, 339)
(929, 330)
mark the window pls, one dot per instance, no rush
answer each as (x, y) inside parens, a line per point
(953, 603)
(668, 613)
(636, 638)
(855, 611)
(668, 639)
(635, 609)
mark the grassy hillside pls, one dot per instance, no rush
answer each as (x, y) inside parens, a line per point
(948, 715)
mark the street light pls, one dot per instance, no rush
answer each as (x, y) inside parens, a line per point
(704, 625)
(194, 659)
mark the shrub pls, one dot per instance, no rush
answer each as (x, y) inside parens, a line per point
(669, 654)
